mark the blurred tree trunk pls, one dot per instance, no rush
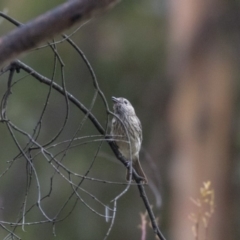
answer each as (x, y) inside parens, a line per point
(201, 65)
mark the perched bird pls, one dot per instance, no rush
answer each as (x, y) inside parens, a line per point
(126, 130)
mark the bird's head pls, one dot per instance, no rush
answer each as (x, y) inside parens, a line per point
(122, 106)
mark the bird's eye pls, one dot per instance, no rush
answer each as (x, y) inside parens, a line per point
(125, 102)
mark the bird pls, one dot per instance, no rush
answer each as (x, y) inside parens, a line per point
(126, 131)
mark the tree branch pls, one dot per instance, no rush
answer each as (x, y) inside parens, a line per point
(19, 65)
(48, 25)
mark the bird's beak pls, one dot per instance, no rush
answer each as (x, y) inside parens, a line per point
(115, 100)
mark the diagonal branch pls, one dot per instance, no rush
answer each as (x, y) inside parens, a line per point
(19, 65)
(48, 25)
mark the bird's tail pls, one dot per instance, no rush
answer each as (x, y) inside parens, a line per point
(137, 166)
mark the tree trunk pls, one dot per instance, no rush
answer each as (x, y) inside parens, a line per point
(201, 66)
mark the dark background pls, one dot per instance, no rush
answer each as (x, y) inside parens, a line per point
(128, 49)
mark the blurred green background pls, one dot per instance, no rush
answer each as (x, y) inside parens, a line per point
(126, 48)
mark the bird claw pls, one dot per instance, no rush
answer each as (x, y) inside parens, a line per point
(128, 164)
